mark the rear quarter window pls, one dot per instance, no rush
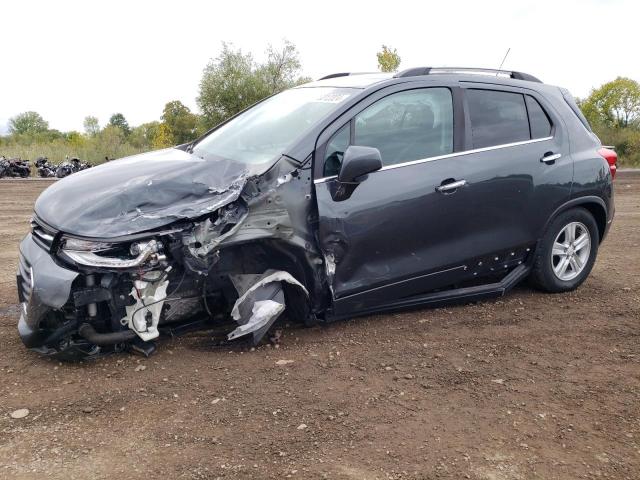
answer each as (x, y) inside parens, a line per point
(568, 98)
(538, 119)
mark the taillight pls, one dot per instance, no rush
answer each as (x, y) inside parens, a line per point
(611, 157)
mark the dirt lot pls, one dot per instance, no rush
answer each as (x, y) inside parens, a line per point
(530, 386)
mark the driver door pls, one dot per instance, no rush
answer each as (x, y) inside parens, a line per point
(393, 235)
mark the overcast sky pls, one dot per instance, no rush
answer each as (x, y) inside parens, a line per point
(68, 59)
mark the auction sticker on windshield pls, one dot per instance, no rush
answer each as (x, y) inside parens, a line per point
(333, 97)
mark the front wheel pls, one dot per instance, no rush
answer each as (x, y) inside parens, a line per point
(566, 254)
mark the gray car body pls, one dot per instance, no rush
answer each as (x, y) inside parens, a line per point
(394, 242)
(397, 237)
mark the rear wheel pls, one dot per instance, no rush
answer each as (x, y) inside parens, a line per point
(566, 254)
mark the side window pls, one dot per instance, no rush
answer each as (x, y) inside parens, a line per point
(409, 125)
(497, 118)
(335, 150)
(538, 119)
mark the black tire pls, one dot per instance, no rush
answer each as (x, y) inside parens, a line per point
(542, 275)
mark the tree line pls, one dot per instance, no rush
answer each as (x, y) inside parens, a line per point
(230, 83)
(613, 111)
(235, 80)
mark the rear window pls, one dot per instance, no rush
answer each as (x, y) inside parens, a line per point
(497, 118)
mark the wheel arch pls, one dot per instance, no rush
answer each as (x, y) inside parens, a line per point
(594, 205)
(272, 253)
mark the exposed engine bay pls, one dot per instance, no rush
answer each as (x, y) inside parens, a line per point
(239, 265)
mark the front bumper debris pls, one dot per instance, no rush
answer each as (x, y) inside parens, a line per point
(87, 312)
(260, 303)
(43, 286)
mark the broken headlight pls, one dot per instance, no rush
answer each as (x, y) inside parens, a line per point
(112, 255)
(78, 245)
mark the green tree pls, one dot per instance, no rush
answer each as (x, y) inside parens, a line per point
(118, 120)
(142, 136)
(282, 68)
(110, 141)
(233, 81)
(180, 121)
(388, 59)
(162, 137)
(614, 104)
(91, 125)
(228, 85)
(74, 139)
(28, 123)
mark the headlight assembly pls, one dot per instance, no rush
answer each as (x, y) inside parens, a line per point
(78, 245)
(85, 252)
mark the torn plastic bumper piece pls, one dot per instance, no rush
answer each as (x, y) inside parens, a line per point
(261, 302)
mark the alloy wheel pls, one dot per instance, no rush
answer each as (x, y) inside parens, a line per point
(571, 250)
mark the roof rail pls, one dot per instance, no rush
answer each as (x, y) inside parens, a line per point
(345, 74)
(334, 75)
(414, 72)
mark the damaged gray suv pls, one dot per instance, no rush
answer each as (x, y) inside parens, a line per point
(349, 195)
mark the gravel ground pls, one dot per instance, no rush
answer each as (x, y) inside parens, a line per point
(529, 386)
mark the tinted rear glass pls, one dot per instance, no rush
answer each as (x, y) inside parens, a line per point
(574, 108)
(497, 118)
(538, 119)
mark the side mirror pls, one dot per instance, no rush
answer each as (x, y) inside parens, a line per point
(358, 161)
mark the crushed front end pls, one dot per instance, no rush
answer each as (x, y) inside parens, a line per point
(239, 264)
(82, 298)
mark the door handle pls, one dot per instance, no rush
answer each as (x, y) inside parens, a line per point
(447, 187)
(550, 157)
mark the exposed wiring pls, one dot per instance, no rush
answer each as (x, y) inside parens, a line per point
(204, 298)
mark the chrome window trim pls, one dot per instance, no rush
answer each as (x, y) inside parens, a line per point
(448, 155)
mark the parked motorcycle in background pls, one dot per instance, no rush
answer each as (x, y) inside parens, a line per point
(45, 169)
(14, 167)
(67, 168)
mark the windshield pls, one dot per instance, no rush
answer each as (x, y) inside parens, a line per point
(266, 130)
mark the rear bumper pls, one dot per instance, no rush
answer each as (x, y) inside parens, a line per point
(43, 286)
(608, 225)
(611, 212)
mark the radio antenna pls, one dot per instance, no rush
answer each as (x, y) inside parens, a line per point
(502, 63)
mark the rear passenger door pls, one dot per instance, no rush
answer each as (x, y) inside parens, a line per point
(517, 170)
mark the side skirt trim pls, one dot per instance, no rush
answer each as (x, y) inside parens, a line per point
(466, 294)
